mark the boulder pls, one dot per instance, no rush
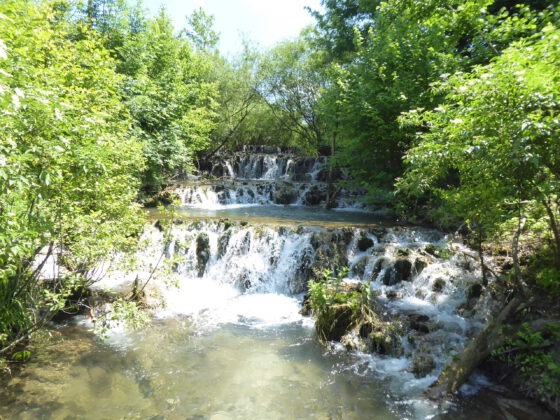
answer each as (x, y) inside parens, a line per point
(324, 174)
(223, 242)
(285, 194)
(475, 291)
(438, 285)
(419, 265)
(377, 268)
(219, 171)
(314, 196)
(419, 322)
(359, 267)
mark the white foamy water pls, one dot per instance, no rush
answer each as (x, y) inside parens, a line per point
(212, 305)
(219, 275)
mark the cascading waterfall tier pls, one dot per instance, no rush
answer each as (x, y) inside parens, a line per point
(267, 176)
(231, 272)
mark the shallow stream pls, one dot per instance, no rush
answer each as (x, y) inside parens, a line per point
(228, 341)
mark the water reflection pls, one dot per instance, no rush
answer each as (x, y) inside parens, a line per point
(271, 214)
(169, 371)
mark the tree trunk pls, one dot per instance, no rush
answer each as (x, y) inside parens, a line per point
(331, 192)
(480, 251)
(554, 227)
(478, 350)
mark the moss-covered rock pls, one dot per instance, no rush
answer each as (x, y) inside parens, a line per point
(164, 198)
(314, 196)
(345, 312)
(377, 268)
(475, 291)
(359, 267)
(419, 265)
(423, 364)
(334, 322)
(438, 285)
(285, 194)
(439, 251)
(202, 253)
(420, 323)
(223, 242)
(403, 252)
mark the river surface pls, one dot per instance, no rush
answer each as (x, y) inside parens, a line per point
(174, 370)
(214, 351)
(280, 214)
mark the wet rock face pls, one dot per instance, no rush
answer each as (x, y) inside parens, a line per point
(327, 174)
(423, 364)
(285, 194)
(315, 196)
(202, 252)
(419, 323)
(401, 270)
(364, 243)
(438, 285)
(223, 242)
(419, 265)
(475, 291)
(359, 267)
(302, 169)
(219, 171)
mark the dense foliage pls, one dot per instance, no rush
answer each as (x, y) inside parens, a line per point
(68, 162)
(99, 103)
(492, 148)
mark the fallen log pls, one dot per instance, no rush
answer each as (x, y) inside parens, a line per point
(478, 350)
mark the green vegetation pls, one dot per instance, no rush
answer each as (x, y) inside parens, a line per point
(528, 350)
(69, 165)
(343, 308)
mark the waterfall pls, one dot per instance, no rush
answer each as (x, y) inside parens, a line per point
(227, 270)
(226, 194)
(266, 176)
(232, 272)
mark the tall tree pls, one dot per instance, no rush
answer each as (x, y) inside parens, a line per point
(398, 50)
(170, 96)
(293, 77)
(498, 132)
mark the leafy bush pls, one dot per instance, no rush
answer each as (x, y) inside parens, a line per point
(530, 352)
(549, 279)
